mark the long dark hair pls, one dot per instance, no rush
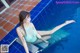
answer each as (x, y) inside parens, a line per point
(22, 16)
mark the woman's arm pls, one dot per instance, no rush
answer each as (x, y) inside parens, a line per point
(22, 40)
(39, 36)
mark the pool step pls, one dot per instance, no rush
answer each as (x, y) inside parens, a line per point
(43, 45)
(58, 35)
(32, 48)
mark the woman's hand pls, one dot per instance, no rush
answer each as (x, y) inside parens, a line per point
(44, 40)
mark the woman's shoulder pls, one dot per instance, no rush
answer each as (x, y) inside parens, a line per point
(32, 24)
(18, 28)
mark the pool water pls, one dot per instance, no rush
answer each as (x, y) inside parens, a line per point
(65, 40)
(57, 36)
(70, 34)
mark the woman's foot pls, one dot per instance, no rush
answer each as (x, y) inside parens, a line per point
(69, 21)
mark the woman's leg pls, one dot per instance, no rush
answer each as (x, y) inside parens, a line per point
(44, 38)
(43, 33)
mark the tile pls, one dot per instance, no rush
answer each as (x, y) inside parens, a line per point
(34, 16)
(16, 6)
(18, 48)
(7, 10)
(34, 3)
(42, 6)
(8, 26)
(6, 37)
(3, 14)
(14, 20)
(12, 49)
(20, 7)
(1, 41)
(3, 22)
(16, 12)
(15, 34)
(8, 17)
(25, 3)
(38, 5)
(13, 31)
(2, 34)
(34, 9)
(29, 8)
(12, 6)
(10, 39)
(31, 12)
(39, 9)
(29, 2)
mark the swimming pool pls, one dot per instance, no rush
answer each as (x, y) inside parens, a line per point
(54, 14)
(51, 15)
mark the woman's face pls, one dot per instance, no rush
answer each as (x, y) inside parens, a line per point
(27, 19)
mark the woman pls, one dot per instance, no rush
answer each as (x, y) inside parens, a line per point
(28, 34)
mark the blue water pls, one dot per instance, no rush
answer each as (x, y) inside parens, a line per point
(58, 15)
(52, 16)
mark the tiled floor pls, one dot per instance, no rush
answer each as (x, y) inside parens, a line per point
(9, 18)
